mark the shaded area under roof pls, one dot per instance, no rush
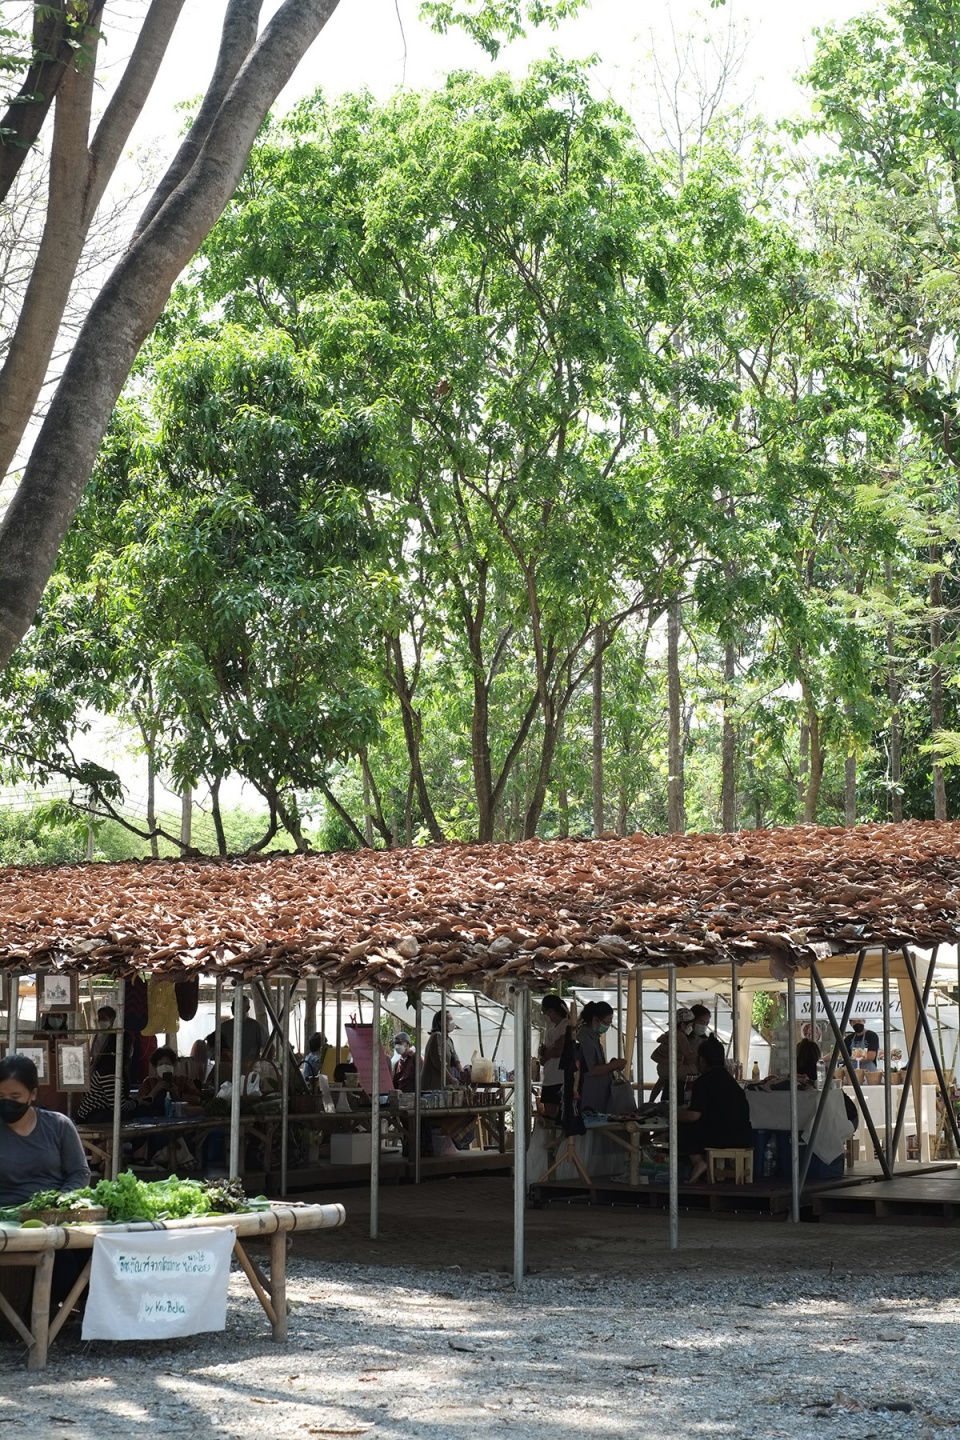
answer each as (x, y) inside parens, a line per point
(479, 914)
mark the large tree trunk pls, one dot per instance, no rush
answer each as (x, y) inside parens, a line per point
(676, 818)
(596, 769)
(803, 767)
(79, 172)
(728, 780)
(186, 817)
(123, 315)
(937, 704)
(217, 816)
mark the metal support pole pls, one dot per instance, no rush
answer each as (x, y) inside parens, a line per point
(794, 1118)
(442, 1041)
(417, 1087)
(922, 1001)
(841, 1047)
(521, 1122)
(323, 1021)
(887, 1083)
(639, 1035)
(13, 1014)
(734, 1015)
(916, 1049)
(814, 1130)
(672, 1108)
(236, 1074)
(289, 987)
(375, 1119)
(118, 1083)
(620, 1045)
(217, 1019)
(339, 1019)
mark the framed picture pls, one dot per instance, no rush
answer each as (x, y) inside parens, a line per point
(36, 1050)
(57, 992)
(73, 1065)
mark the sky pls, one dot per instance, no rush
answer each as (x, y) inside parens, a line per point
(381, 44)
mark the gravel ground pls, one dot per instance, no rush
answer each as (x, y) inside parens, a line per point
(755, 1330)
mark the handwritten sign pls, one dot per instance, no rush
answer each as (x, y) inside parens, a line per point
(158, 1284)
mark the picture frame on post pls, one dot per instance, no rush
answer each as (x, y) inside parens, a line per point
(36, 1050)
(57, 992)
(73, 1065)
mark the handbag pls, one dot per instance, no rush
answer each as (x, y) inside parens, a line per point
(623, 1099)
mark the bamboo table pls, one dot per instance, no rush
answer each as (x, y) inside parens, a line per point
(36, 1247)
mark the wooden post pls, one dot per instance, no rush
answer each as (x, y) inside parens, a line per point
(40, 1312)
(278, 1283)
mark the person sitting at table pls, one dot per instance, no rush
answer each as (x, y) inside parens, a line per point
(313, 1060)
(39, 1149)
(598, 1071)
(163, 1081)
(718, 1116)
(96, 1105)
(808, 1058)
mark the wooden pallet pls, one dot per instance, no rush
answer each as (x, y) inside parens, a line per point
(932, 1198)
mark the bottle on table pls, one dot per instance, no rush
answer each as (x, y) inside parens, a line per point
(755, 1072)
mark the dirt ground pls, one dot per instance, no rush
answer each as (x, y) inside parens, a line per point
(468, 1223)
(754, 1330)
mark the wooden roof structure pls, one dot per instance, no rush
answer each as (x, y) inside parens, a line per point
(543, 911)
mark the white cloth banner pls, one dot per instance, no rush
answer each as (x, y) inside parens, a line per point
(770, 1110)
(158, 1284)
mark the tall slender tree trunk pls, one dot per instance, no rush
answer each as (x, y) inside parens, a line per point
(152, 798)
(186, 817)
(676, 818)
(728, 781)
(893, 693)
(412, 732)
(217, 816)
(551, 734)
(597, 754)
(937, 706)
(367, 806)
(803, 768)
(849, 775)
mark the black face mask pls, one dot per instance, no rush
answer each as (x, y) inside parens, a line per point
(13, 1110)
(858, 1029)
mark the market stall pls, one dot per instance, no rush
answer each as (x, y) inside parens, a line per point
(37, 1247)
(511, 921)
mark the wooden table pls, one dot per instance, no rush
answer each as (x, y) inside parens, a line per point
(36, 1247)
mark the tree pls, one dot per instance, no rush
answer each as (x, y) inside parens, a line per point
(212, 589)
(250, 70)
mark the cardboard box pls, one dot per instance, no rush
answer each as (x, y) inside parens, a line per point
(350, 1149)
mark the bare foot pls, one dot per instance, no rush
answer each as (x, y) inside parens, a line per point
(698, 1171)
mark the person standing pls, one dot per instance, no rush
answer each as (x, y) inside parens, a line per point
(598, 1071)
(868, 1041)
(441, 1063)
(555, 1038)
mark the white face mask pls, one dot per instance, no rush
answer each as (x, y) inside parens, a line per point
(165, 1071)
(700, 1029)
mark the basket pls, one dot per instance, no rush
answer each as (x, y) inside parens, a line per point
(89, 1215)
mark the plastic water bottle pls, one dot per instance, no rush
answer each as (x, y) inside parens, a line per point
(167, 1105)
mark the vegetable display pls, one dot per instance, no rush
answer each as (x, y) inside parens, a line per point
(127, 1199)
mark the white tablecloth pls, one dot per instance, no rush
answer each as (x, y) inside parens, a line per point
(770, 1110)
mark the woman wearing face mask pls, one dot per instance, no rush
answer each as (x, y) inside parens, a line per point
(163, 1080)
(39, 1149)
(597, 1069)
(686, 1056)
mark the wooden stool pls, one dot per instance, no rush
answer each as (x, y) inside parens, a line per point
(742, 1165)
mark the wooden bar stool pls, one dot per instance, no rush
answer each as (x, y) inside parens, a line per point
(717, 1161)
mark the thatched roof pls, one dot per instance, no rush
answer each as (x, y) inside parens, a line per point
(541, 910)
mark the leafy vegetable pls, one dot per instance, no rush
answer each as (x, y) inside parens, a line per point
(127, 1199)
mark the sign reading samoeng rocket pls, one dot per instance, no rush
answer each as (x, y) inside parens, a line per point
(158, 1284)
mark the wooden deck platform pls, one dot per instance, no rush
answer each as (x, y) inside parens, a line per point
(763, 1197)
(928, 1198)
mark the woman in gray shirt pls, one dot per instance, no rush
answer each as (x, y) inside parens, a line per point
(39, 1149)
